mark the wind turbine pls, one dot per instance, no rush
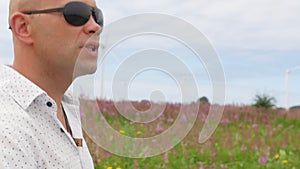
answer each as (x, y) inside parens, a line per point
(287, 85)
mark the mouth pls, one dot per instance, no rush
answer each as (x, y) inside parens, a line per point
(92, 47)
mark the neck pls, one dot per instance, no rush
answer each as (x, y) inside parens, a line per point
(53, 82)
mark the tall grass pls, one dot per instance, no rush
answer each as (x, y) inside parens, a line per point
(247, 137)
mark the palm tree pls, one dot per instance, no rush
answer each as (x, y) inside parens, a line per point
(264, 101)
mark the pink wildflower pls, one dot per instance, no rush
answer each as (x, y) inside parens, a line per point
(199, 163)
(159, 128)
(263, 160)
(82, 115)
(170, 120)
(223, 166)
(254, 126)
(243, 147)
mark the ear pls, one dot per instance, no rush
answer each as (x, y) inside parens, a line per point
(20, 27)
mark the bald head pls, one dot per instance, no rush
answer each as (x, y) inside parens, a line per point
(22, 5)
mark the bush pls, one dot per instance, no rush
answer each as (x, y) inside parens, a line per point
(203, 100)
(264, 101)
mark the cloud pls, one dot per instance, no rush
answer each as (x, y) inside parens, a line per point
(4, 19)
(5, 35)
(251, 24)
(247, 34)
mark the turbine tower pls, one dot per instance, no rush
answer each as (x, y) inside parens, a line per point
(287, 85)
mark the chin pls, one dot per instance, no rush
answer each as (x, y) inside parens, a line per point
(81, 70)
(85, 65)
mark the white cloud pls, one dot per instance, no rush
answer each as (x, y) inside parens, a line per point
(257, 28)
(4, 20)
(251, 24)
(5, 35)
(268, 25)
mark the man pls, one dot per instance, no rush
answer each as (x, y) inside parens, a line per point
(55, 41)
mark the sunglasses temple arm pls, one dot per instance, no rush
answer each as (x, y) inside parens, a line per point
(44, 11)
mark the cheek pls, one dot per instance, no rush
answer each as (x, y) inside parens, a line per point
(60, 43)
(59, 54)
(65, 46)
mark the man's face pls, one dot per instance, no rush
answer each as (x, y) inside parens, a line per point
(72, 50)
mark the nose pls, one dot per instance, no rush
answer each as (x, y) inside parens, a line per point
(92, 26)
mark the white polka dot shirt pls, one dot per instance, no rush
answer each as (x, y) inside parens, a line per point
(31, 136)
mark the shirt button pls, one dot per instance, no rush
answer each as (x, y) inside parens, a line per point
(49, 104)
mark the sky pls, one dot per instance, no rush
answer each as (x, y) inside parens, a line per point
(256, 42)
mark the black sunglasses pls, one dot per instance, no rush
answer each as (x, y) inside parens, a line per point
(75, 13)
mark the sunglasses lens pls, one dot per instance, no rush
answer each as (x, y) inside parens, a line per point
(98, 16)
(77, 13)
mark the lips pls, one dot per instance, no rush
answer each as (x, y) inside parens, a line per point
(91, 48)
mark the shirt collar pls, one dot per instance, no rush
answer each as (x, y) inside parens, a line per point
(25, 91)
(70, 99)
(21, 89)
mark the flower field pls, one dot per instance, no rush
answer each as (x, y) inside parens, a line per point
(246, 137)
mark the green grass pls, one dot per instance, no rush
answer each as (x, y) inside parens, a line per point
(225, 150)
(242, 143)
